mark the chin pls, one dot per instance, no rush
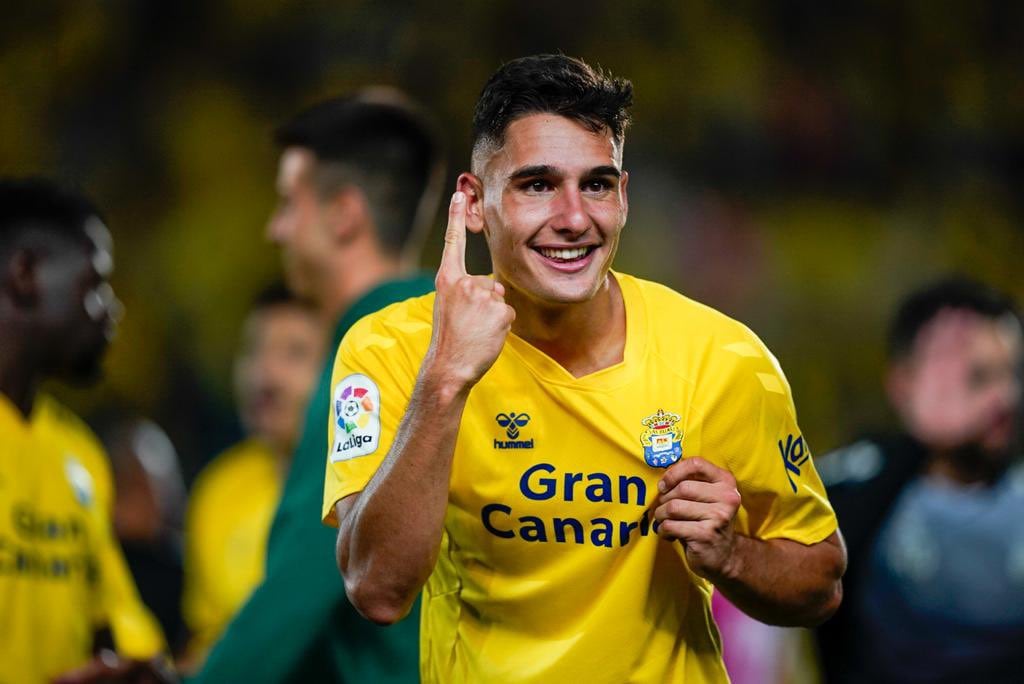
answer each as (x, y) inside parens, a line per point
(565, 291)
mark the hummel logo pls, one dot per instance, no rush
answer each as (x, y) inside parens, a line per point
(512, 422)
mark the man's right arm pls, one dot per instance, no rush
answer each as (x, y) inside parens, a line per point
(389, 534)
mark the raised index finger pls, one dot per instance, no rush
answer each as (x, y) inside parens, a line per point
(453, 258)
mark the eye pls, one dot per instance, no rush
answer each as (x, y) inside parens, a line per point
(597, 185)
(537, 185)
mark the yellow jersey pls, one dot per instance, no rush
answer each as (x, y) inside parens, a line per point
(57, 556)
(550, 568)
(53, 422)
(226, 529)
(135, 630)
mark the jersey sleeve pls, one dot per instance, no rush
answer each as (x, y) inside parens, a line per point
(371, 384)
(135, 630)
(751, 429)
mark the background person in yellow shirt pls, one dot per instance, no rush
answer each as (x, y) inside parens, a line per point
(514, 446)
(233, 500)
(64, 587)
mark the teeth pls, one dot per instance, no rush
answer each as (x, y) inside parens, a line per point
(564, 254)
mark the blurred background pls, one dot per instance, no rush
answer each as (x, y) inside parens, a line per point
(798, 165)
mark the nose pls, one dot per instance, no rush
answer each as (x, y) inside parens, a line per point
(102, 304)
(571, 214)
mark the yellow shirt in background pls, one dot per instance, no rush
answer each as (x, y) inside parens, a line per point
(229, 515)
(135, 630)
(550, 569)
(61, 572)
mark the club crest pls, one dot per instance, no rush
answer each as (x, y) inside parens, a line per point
(662, 439)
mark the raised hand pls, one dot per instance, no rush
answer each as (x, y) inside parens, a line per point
(697, 505)
(471, 318)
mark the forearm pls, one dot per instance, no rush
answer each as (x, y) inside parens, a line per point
(389, 535)
(783, 582)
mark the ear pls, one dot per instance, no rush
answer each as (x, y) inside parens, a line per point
(21, 279)
(347, 214)
(473, 189)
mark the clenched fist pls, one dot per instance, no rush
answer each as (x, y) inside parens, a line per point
(697, 506)
(471, 318)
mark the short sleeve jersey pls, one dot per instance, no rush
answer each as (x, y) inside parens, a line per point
(226, 529)
(135, 630)
(59, 564)
(550, 567)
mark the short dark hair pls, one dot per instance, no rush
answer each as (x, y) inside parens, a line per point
(953, 292)
(278, 294)
(382, 142)
(41, 204)
(555, 84)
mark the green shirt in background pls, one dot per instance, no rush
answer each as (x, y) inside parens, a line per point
(298, 625)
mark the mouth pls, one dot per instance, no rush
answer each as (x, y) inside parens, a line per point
(567, 259)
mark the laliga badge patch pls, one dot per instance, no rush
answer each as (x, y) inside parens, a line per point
(356, 418)
(662, 439)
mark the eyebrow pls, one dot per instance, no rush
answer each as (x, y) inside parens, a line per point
(548, 170)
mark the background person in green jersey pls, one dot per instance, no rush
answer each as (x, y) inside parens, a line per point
(359, 181)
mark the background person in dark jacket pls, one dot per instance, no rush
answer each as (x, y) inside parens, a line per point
(931, 515)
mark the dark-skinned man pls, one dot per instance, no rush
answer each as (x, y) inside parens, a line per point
(65, 591)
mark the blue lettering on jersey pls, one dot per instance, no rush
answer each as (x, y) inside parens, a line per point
(794, 454)
(540, 482)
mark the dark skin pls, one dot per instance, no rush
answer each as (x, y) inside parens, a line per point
(57, 314)
(45, 327)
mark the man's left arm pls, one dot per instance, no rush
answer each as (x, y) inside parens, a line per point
(752, 513)
(777, 581)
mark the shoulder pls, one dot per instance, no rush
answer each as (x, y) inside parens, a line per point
(58, 426)
(402, 326)
(55, 421)
(237, 465)
(705, 344)
(870, 459)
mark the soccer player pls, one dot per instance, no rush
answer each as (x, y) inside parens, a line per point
(933, 512)
(565, 459)
(64, 587)
(233, 500)
(359, 181)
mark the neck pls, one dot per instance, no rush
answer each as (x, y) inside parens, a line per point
(355, 273)
(282, 455)
(17, 375)
(567, 333)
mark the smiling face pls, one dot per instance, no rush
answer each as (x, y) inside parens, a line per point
(553, 206)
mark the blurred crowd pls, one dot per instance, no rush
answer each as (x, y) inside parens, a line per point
(846, 192)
